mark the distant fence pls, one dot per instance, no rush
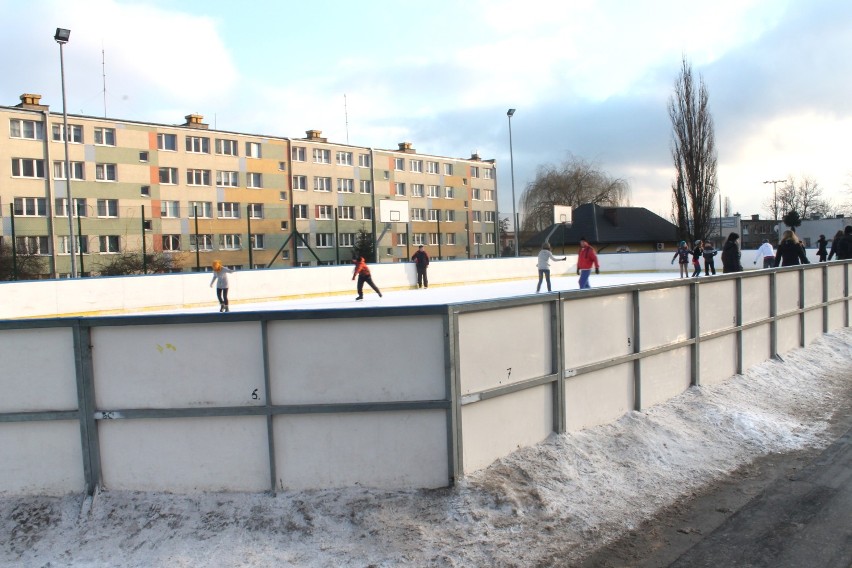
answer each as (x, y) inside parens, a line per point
(384, 397)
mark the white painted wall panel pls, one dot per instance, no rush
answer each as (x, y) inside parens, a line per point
(185, 455)
(600, 397)
(836, 316)
(835, 281)
(813, 287)
(664, 316)
(665, 376)
(756, 345)
(360, 359)
(718, 359)
(390, 450)
(37, 370)
(505, 346)
(788, 334)
(717, 305)
(495, 427)
(787, 291)
(41, 458)
(756, 299)
(813, 326)
(176, 366)
(608, 319)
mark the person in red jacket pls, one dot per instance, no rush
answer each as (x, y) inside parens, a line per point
(363, 274)
(586, 259)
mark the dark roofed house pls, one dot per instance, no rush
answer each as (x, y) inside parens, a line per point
(611, 229)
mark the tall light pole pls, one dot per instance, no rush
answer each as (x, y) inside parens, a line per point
(775, 196)
(509, 113)
(61, 38)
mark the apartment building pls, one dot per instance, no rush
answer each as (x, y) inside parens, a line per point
(249, 200)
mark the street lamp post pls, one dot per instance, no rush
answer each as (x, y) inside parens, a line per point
(509, 113)
(62, 35)
(775, 196)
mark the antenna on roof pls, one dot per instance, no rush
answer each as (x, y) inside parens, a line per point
(346, 117)
(103, 73)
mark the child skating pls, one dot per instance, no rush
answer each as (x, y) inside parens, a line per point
(363, 274)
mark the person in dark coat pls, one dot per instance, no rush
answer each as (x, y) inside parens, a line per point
(709, 261)
(697, 253)
(421, 261)
(731, 254)
(834, 242)
(790, 251)
(822, 251)
(844, 247)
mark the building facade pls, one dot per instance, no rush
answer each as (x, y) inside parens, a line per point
(249, 200)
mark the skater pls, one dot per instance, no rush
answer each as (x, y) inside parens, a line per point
(790, 251)
(586, 259)
(822, 250)
(544, 258)
(220, 274)
(421, 259)
(697, 253)
(682, 257)
(731, 254)
(363, 274)
(834, 242)
(765, 254)
(709, 262)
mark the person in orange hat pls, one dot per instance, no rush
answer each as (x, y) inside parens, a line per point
(220, 277)
(363, 274)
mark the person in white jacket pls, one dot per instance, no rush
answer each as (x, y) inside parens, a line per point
(544, 258)
(766, 253)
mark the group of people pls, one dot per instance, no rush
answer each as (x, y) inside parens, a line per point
(587, 259)
(700, 249)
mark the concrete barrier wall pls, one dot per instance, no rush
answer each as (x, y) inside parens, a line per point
(386, 397)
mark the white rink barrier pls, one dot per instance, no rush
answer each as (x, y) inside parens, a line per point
(412, 397)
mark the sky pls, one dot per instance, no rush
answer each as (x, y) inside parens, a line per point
(589, 79)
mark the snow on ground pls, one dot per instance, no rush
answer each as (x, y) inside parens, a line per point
(544, 505)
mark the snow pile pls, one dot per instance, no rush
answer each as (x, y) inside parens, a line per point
(547, 504)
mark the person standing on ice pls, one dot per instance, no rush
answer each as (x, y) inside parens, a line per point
(697, 252)
(363, 274)
(709, 262)
(421, 262)
(544, 258)
(586, 259)
(731, 254)
(765, 254)
(220, 277)
(682, 257)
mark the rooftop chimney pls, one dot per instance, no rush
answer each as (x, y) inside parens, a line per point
(475, 157)
(406, 147)
(196, 121)
(32, 102)
(315, 135)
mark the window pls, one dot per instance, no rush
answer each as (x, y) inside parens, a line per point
(477, 238)
(31, 206)
(145, 190)
(27, 167)
(448, 169)
(367, 213)
(255, 210)
(227, 179)
(431, 167)
(451, 238)
(489, 216)
(256, 241)
(143, 156)
(229, 242)
(254, 180)
(27, 129)
(345, 185)
(489, 238)
(109, 244)
(451, 215)
(105, 136)
(488, 194)
(202, 209)
(200, 242)
(325, 240)
(75, 133)
(32, 245)
(399, 164)
(416, 166)
(449, 192)
(197, 177)
(418, 214)
(297, 153)
(282, 166)
(399, 188)
(324, 212)
(344, 158)
(60, 208)
(107, 207)
(322, 156)
(197, 145)
(474, 171)
(418, 239)
(171, 243)
(489, 173)
(252, 149)
(169, 176)
(226, 147)
(76, 170)
(364, 161)
(475, 193)
(228, 210)
(300, 211)
(416, 190)
(366, 186)
(170, 209)
(476, 216)
(105, 172)
(300, 183)
(434, 214)
(434, 238)
(82, 245)
(434, 191)
(346, 212)
(401, 239)
(346, 239)
(322, 184)
(167, 142)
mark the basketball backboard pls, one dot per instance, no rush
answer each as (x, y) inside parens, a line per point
(561, 214)
(392, 211)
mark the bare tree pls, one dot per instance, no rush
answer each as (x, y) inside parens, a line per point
(694, 189)
(803, 196)
(574, 182)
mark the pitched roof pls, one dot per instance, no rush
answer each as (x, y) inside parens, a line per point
(610, 225)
